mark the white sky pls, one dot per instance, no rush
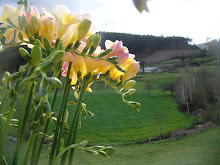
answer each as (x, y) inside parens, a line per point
(196, 19)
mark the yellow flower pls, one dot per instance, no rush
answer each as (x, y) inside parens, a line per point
(9, 35)
(70, 26)
(84, 65)
(126, 61)
(33, 18)
(9, 12)
(47, 28)
(64, 18)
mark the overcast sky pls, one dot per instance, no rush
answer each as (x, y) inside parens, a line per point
(196, 19)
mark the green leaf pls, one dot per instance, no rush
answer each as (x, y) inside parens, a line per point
(120, 69)
(76, 45)
(10, 22)
(20, 36)
(107, 51)
(69, 45)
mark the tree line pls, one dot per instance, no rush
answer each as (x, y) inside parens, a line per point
(144, 45)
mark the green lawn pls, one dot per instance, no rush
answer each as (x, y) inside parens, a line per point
(116, 122)
(198, 149)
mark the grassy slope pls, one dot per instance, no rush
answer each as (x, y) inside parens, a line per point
(198, 149)
(115, 122)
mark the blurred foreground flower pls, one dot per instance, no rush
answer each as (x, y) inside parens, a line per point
(141, 5)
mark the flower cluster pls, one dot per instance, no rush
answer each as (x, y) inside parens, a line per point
(85, 64)
(61, 24)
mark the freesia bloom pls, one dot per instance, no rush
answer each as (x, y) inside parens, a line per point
(126, 61)
(84, 65)
(9, 12)
(47, 28)
(33, 18)
(67, 23)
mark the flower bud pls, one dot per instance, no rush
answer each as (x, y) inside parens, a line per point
(60, 46)
(91, 151)
(129, 84)
(11, 77)
(53, 59)
(83, 28)
(131, 91)
(47, 109)
(102, 153)
(90, 40)
(83, 143)
(34, 24)
(109, 150)
(7, 74)
(47, 44)
(66, 116)
(53, 120)
(37, 42)
(25, 54)
(15, 126)
(76, 94)
(3, 80)
(43, 92)
(83, 105)
(53, 81)
(97, 40)
(22, 69)
(36, 56)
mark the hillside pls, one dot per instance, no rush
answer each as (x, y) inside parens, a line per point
(145, 45)
(164, 55)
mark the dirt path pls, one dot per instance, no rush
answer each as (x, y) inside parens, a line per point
(143, 78)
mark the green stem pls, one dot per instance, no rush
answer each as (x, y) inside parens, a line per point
(112, 86)
(4, 161)
(63, 151)
(1, 105)
(34, 150)
(19, 135)
(62, 123)
(6, 127)
(9, 117)
(75, 121)
(45, 129)
(59, 117)
(73, 142)
(26, 157)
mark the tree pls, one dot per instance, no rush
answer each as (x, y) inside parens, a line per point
(168, 86)
(196, 91)
(149, 86)
(142, 63)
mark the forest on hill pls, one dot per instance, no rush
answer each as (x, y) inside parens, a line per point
(144, 45)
